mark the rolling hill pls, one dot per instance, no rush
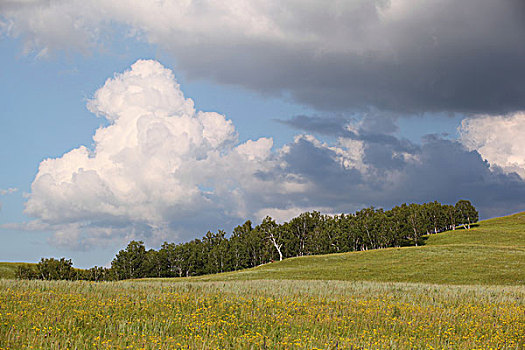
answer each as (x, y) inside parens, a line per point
(491, 253)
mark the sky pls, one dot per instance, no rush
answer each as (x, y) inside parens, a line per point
(160, 120)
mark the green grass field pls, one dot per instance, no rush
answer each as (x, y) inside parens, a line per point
(267, 314)
(470, 294)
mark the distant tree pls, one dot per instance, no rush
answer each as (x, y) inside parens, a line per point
(452, 216)
(301, 228)
(466, 212)
(194, 258)
(401, 227)
(96, 274)
(260, 249)
(26, 272)
(155, 264)
(239, 246)
(130, 262)
(53, 269)
(215, 252)
(325, 237)
(348, 236)
(271, 232)
(334, 227)
(173, 259)
(436, 217)
(416, 221)
(372, 227)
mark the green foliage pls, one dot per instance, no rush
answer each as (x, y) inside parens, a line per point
(131, 262)
(241, 246)
(54, 269)
(26, 272)
(466, 212)
(96, 273)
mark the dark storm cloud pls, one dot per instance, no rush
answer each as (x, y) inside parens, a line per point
(331, 126)
(448, 171)
(439, 56)
(319, 165)
(400, 55)
(372, 129)
(444, 171)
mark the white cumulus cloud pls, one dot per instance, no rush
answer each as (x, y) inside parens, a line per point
(161, 170)
(499, 139)
(158, 162)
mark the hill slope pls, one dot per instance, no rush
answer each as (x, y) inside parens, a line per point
(491, 253)
(8, 269)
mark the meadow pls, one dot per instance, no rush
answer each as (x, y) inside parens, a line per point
(464, 289)
(268, 314)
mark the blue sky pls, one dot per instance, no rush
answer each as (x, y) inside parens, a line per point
(330, 118)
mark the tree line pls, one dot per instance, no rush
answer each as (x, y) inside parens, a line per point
(309, 233)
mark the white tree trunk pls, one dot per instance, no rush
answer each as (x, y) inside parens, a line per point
(277, 246)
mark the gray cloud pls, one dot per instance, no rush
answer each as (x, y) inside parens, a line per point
(372, 128)
(437, 56)
(439, 169)
(447, 171)
(324, 125)
(397, 170)
(399, 55)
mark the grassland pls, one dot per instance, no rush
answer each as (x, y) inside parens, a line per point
(259, 315)
(470, 295)
(492, 253)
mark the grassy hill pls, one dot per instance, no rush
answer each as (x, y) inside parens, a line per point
(492, 253)
(8, 269)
